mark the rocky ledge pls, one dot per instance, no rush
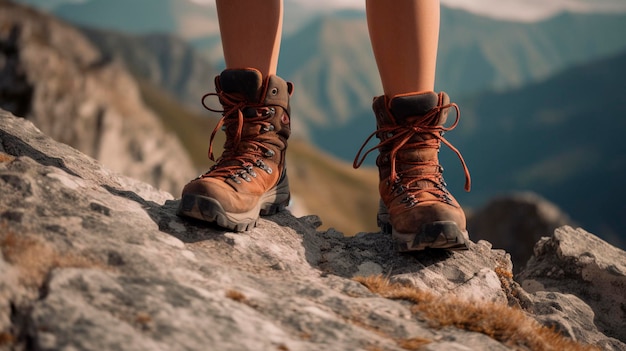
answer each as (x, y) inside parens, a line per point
(93, 260)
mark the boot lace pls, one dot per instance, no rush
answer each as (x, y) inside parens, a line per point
(242, 151)
(399, 137)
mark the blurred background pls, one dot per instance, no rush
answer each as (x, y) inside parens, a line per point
(541, 87)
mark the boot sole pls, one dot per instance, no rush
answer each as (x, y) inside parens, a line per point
(210, 210)
(436, 235)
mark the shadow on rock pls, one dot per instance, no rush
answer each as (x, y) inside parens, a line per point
(185, 229)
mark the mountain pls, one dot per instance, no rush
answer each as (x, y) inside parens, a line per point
(487, 52)
(478, 53)
(562, 138)
(330, 62)
(162, 59)
(330, 59)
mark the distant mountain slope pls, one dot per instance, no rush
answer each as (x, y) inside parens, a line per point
(477, 52)
(165, 60)
(331, 63)
(563, 138)
(330, 59)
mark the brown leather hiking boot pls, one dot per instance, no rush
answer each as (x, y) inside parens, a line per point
(249, 179)
(415, 205)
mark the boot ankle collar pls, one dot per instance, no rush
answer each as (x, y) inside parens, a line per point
(413, 104)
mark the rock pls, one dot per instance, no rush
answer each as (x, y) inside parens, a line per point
(571, 316)
(94, 260)
(52, 75)
(573, 261)
(515, 222)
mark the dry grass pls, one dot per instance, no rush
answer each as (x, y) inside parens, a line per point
(505, 324)
(35, 259)
(236, 295)
(143, 318)
(6, 338)
(6, 157)
(413, 344)
(506, 281)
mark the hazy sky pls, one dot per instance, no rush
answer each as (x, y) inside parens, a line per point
(521, 10)
(524, 10)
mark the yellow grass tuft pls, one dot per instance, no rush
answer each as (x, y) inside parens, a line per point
(505, 324)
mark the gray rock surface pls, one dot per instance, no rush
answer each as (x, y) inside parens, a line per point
(52, 75)
(576, 262)
(93, 260)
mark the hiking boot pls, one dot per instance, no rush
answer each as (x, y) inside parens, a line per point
(249, 179)
(416, 207)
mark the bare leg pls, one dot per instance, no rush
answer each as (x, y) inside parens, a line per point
(404, 36)
(251, 33)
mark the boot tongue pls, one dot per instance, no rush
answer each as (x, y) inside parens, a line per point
(247, 82)
(404, 106)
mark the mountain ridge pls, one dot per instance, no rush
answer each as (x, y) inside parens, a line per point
(567, 145)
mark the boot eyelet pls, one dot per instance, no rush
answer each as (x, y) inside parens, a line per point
(263, 166)
(268, 128)
(245, 176)
(274, 91)
(250, 171)
(234, 178)
(409, 201)
(269, 153)
(400, 189)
